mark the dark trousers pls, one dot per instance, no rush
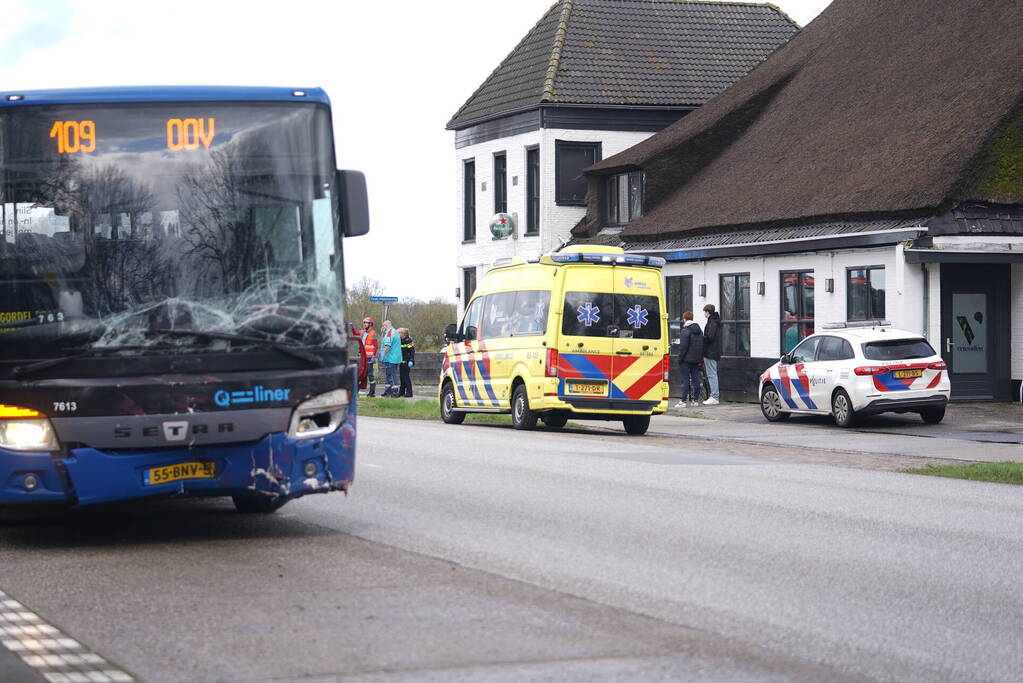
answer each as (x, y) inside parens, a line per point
(692, 382)
(406, 380)
(372, 379)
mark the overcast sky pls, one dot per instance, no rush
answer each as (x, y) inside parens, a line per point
(395, 71)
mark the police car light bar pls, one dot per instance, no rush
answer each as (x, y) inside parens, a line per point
(856, 323)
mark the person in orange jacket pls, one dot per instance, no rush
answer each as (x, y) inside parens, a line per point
(369, 350)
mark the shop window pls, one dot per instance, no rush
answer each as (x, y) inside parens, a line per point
(796, 307)
(735, 315)
(865, 293)
(679, 294)
(570, 158)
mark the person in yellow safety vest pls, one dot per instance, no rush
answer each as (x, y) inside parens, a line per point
(369, 350)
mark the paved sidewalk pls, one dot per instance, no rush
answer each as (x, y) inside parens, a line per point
(988, 432)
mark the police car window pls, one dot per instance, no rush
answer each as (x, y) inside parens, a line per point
(897, 349)
(805, 352)
(588, 314)
(637, 317)
(834, 348)
(530, 313)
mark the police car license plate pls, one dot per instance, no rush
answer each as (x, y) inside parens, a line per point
(183, 470)
(599, 388)
(907, 374)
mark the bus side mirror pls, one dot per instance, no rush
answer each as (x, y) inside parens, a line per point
(353, 203)
(451, 332)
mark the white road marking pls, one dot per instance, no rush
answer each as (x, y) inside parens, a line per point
(56, 657)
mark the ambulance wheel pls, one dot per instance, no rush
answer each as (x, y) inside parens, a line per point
(636, 425)
(447, 406)
(842, 410)
(522, 416)
(933, 416)
(555, 420)
(771, 406)
(257, 504)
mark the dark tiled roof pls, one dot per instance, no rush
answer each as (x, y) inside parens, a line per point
(630, 52)
(860, 114)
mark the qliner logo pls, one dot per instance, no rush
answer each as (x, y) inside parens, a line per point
(258, 394)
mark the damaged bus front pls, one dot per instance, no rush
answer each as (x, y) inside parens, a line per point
(171, 292)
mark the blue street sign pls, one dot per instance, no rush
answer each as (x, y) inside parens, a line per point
(384, 299)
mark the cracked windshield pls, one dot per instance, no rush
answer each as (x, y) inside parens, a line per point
(133, 226)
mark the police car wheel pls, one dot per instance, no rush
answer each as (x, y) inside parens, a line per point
(447, 407)
(771, 407)
(636, 425)
(522, 416)
(842, 410)
(555, 420)
(933, 416)
(263, 505)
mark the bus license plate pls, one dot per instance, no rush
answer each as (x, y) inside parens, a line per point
(908, 374)
(598, 388)
(183, 470)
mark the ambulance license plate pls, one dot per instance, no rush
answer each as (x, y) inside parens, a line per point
(183, 470)
(599, 388)
(907, 374)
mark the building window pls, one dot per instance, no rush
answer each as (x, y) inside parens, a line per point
(533, 191)
(865, 293)
(468, 284)
(735, 338)
(500, 183)
(796, 307)
(679, 292)
(624, 194)
(570, 158)
(469, 201)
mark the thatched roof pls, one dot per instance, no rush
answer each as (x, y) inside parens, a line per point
(876, 107)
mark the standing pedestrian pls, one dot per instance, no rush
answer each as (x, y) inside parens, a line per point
(369, 351)
(390, 356)
(408, 357)
(690, 354)
(712, 352)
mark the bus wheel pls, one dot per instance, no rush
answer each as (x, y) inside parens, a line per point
(554, 420)
(636, 425)
(447, 406)
(522, 416)
(258, 504)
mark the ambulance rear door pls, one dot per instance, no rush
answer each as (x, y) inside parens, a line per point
(584, 346)
(639, 344)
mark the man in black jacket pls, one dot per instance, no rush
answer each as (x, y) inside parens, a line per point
(690, 353)
(712, 352)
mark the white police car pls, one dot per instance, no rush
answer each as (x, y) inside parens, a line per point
(850, 370)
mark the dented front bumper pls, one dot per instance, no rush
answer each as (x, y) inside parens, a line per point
(274, 466)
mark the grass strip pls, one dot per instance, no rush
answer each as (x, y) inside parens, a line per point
(426, 409)
(998, 472)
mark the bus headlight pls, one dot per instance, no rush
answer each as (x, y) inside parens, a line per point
(28, 435)
(320, 415)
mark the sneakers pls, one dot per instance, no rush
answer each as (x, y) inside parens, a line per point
(681, 404)
(711, 401)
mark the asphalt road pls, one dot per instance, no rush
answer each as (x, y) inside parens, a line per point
(482, 553)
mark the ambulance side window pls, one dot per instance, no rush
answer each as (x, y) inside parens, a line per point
(471, 321)
(498, 314)
(530, 317)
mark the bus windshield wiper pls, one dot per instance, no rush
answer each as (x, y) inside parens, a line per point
(31, 368)
(287, 349)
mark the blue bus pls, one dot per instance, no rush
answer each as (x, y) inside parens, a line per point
(171, 296)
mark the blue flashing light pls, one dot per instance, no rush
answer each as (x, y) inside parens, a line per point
(656, 261)
(189, 93)
(566, 258)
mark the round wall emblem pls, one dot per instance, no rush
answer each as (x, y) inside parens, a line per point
(502, 225)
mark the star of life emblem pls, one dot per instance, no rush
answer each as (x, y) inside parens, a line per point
(637, 316)
(589, 314)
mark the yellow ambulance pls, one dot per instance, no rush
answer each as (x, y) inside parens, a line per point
(581, 334)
